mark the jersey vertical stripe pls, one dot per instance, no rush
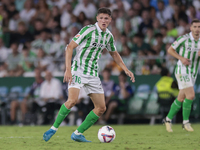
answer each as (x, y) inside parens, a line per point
(96, 57)
(176, 70)
(193, 58)
(188, 57)
(75, 65)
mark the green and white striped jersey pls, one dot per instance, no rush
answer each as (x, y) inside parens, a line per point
(91, 41)
(187, 47)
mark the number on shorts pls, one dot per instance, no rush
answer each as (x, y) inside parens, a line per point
(77, 79)
(185, 78)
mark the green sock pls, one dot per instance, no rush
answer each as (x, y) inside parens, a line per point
(63, 112)
(88, 122)
(187, 105)
(175, 107)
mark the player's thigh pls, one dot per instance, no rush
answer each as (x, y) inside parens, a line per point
(181, 96)
(95, 90)
(72, 97)
(189, 93)
(73, 93)
(98, 100)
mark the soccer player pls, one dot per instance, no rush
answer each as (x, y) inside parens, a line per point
(187, 50)
(89, 44)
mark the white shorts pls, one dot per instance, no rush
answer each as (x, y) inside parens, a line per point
(185, 80)
(91, 84)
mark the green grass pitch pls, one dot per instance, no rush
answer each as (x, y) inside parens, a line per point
(128, 137)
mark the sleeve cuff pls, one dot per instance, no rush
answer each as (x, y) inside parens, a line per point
(75, 42)
(173, 47)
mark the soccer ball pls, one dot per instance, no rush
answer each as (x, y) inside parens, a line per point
(106, 134)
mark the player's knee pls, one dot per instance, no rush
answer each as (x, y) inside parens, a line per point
(191, 97)
(70, 103)
(181, 99)
(101, 110)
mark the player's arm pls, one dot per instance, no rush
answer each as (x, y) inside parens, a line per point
(117, 58)
(68, 57)
(173, 52)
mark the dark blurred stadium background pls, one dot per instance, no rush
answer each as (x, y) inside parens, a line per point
(34, 34)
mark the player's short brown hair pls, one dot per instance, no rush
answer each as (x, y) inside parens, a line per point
(104, 10)
(195, 21)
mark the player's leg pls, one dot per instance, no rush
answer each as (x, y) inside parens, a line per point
(63, 112)
(175, 107)
(65, 108)
(13, 108)
(99, 108)
(187, 105)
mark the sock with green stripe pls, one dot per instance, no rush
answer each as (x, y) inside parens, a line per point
(175, 107)
(63, 112)
(187, 105)
(88, 122)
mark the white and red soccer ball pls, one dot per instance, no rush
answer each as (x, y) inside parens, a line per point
(106, 134)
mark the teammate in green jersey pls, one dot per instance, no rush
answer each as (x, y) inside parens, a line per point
(89, 44)
(187, 50)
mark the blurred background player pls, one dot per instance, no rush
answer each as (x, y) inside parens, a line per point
(186, 50)
(90, 42)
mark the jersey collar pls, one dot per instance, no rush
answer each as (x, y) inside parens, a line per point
(98, 28)
(192, 38)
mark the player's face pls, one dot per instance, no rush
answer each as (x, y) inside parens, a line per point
(103, 21)
(195, 28)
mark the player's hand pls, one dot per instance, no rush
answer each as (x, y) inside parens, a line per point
(185, 61)
(68, 76)
(130, 74)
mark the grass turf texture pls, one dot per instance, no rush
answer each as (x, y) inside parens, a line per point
(128, 137)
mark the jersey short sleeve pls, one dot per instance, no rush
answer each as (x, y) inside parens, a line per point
(78, 38)
(110, 46)
(177, 43)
